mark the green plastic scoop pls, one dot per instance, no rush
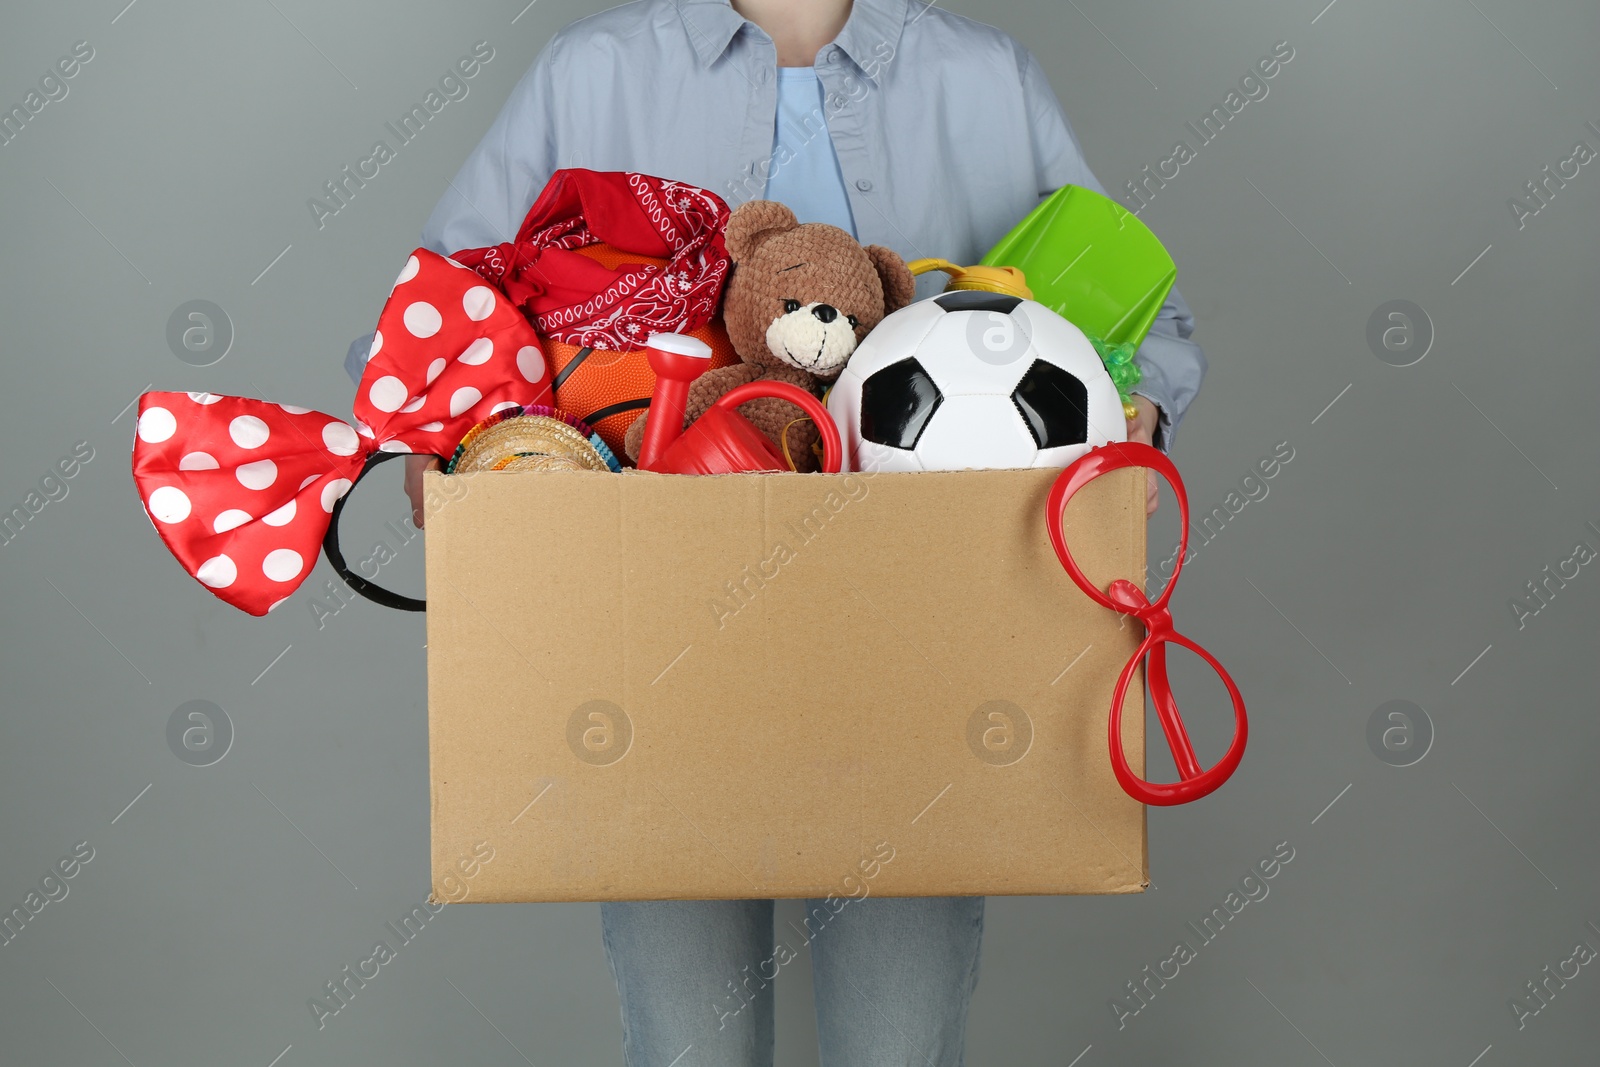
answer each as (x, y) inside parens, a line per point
(1087, 258)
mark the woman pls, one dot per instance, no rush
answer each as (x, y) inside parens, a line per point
(909, 127)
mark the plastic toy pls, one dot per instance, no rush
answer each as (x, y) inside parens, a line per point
(799, 301)
(1009, 280)
(1126, 598)
(1091, 261)
(720, 441)
(243, 491)
(974, 378)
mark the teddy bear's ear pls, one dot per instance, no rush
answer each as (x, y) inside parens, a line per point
(752, 222)
(899, 285)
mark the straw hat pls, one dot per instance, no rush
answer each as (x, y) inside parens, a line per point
(532, 438)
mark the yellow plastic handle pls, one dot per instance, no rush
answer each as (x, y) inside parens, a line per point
(1008, 280)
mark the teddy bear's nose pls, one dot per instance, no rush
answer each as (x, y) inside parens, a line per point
(825, 312)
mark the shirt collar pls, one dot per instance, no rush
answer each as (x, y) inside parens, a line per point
(711, 25)
(870, 35)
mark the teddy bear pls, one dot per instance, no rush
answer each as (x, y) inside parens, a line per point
(799, 299)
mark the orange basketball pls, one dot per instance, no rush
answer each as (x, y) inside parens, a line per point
(608, 389)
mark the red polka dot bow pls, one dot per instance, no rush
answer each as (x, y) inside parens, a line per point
(242, 490)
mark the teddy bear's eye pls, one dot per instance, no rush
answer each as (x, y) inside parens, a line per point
(855, 323)
(791, 306)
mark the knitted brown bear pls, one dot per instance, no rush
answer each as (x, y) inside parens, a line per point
(798, 301)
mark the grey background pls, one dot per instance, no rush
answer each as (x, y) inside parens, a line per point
(1378, 568)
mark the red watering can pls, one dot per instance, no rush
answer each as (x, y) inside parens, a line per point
(721, 441)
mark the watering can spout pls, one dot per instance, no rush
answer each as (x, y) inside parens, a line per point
(677, 359)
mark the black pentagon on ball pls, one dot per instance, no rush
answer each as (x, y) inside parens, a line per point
(896, 404)
(1055, 405)
(977, 300)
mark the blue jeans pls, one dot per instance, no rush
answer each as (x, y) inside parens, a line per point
(892, 979)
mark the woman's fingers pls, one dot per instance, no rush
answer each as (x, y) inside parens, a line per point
(416, 466)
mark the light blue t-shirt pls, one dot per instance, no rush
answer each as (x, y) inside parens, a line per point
(805, 172)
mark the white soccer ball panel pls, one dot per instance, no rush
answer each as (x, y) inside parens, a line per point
(873, 458)
(844, 404)
(977, 352)
(1061, 457)
(1106, 420)
(1065, 345)
(976, 431)
(898, 336)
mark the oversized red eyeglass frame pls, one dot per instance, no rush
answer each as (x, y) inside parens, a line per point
(1123, 597)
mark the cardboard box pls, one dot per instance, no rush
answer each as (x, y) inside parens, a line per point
(647, 686)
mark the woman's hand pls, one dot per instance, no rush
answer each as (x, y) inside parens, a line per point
(416, 466)
(1141, 428)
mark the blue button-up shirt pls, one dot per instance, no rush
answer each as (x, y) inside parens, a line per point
(947, 133)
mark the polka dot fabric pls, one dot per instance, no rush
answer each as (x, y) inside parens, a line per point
(241, 494)
(448, 349)
(241, 490)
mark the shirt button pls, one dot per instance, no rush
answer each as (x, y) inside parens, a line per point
(864, 185)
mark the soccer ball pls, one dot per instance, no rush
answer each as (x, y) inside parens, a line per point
(974, 379)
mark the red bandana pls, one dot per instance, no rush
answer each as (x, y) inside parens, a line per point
(241, 490)
(573, 299)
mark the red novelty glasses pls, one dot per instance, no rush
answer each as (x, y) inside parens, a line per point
(1125, 598)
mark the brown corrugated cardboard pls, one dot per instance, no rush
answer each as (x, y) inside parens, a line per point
(647, 686)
